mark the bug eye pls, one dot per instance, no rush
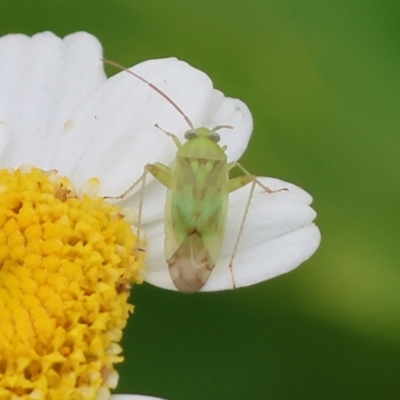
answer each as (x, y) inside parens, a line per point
(215, 136)
(190, 134)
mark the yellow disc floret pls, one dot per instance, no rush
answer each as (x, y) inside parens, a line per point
(66, 266)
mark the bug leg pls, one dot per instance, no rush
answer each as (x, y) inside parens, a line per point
(234, 184)
(266, 188)
(130, 188)
(237, 183)
(141, 199)
(141, 180)
(161, 172)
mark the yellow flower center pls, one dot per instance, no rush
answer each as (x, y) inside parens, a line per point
(66, 266)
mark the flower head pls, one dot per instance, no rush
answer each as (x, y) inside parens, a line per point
(66, 264)
(67, 257)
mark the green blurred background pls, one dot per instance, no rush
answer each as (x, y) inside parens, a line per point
(323, 82)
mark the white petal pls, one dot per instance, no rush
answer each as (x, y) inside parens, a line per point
(42, 79)
(277, 237)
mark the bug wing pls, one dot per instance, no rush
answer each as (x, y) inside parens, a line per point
(190, 266)
(195, 220)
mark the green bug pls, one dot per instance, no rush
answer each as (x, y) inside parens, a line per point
(196, 208)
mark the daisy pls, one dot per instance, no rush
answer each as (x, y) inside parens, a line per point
(68, 138)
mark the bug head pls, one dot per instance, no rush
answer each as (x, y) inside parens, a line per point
(205, 132)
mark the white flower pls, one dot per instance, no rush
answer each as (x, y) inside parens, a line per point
(58, 111)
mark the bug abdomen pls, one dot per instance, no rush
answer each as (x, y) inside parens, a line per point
(190, 266)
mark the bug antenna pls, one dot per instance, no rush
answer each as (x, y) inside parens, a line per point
(218, 127)
(159, 91)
